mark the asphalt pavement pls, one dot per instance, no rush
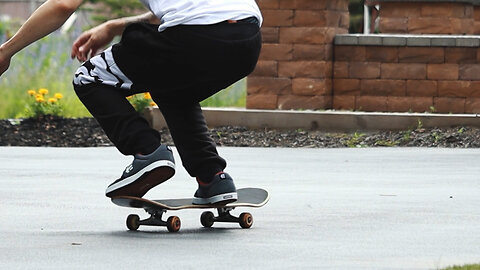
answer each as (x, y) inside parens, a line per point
(373, 208)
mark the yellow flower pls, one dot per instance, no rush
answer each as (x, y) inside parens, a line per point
(147, 95)
(58, 96)
(52, 100)
(31, 92)
(40, 99)
(153, 104)
(43, 91)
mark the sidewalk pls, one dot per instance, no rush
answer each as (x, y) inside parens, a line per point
(336, 121)
(375, 208)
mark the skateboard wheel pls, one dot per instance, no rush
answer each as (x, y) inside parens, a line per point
(245, 220)
(207, 219)
(133, 222)
(173, 224)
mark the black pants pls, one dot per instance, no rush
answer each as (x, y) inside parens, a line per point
(180, 67)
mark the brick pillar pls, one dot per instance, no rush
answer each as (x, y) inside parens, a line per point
(295, 67)
(476, 20)
(436, 17)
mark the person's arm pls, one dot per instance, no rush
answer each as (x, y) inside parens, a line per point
(91, 41)
(50, 16)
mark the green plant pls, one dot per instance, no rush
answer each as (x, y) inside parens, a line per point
(436, 137)
(464, 267)
(355, 7)
(41, 104)
(104, 10)
(141, 101)
(45, 63)
(387, 143)
(354, 140)
(419, 124)
(407, 136)
(233, 96)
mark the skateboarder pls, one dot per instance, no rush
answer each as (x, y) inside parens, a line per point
(182, 52)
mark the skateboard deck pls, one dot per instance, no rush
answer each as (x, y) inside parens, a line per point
(247, 197)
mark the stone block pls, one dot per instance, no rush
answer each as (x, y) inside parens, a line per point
(381, 54)
(265, 69)
(311, 87)
(305, 69)
(434, 25)
(350, 53)
(459, 88)
(409, 104)
(270, 34)
(311, 18)
(312, 52)
(346, 87)
(422, 88)
(442, 71)
(303, 35)
(262, 101)
(269, 85)
(449, 104)
(443, 10)
(278, 17)
(344, 102)
(400, 9)
(469, 72)
(276, 52)
(340, 69)
(460, 55)
(472, 105)
(393, 25)
(383, 87)
(371, 103)
(421, 55)
(269, 4)
(290, 102)
(364, 70)
(311, 5)
(403, 71)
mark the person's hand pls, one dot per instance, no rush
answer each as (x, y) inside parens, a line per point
(4, 62)
(90, 42)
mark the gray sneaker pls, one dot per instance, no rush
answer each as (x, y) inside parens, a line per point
(220, 191)
(145, 172)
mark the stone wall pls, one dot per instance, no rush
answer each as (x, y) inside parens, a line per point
(301, 67)
(394, 73)
(423, 17)
(295, 66)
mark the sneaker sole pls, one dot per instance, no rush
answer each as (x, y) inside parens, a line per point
(139, 184)
(219, 199)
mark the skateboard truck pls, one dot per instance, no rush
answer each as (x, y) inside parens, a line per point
(173, 223)
(245, 220)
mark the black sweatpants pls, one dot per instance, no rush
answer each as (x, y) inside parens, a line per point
(180, 67)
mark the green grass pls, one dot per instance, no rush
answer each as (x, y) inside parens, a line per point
(44, 64)
(233, 96)
(464, 267)
(47, 64)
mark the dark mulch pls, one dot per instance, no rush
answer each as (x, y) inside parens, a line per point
(85, 132)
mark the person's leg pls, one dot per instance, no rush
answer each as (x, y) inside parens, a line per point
(207, 68)
(192, 139)
(98, 84)
(182, 66)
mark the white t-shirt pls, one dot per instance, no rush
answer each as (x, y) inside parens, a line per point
(176, 12)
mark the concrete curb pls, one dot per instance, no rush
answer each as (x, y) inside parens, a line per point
(331, 121)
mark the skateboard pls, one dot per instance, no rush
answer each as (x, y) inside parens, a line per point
(247, 197)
